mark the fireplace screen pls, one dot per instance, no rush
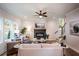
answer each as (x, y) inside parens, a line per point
(39, 33)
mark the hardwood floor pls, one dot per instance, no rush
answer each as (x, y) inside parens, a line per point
(70, 52)
(5, 54)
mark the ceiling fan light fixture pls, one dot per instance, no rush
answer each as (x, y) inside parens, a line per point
(40, 16)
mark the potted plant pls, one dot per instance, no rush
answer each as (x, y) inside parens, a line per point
(8, 34)
(23, 31)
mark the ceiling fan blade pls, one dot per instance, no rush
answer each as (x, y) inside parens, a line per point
(37, 13)
(45, 13)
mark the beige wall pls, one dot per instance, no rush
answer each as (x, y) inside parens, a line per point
(72, 41)
(52, 28)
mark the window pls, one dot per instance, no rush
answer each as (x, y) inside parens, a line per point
(8, 29)
(1, 29)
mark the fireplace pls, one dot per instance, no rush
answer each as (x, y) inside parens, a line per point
(40, 33)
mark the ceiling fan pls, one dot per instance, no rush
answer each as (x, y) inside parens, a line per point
(41, 13)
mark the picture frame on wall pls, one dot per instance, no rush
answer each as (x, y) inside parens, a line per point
(39, 25)
(74, 28)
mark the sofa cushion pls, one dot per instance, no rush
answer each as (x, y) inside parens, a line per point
(30, 46)
(50, 45)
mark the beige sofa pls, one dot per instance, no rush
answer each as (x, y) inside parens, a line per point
(40, 50)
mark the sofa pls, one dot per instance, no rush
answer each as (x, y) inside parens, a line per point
(40, 50)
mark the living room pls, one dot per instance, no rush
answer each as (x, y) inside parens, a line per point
(39, 28)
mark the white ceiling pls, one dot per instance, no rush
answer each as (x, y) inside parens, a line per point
(28, 9)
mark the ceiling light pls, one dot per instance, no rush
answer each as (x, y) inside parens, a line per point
(40, 16)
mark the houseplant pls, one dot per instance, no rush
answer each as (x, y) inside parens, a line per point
(8, 35)
(23, 31)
